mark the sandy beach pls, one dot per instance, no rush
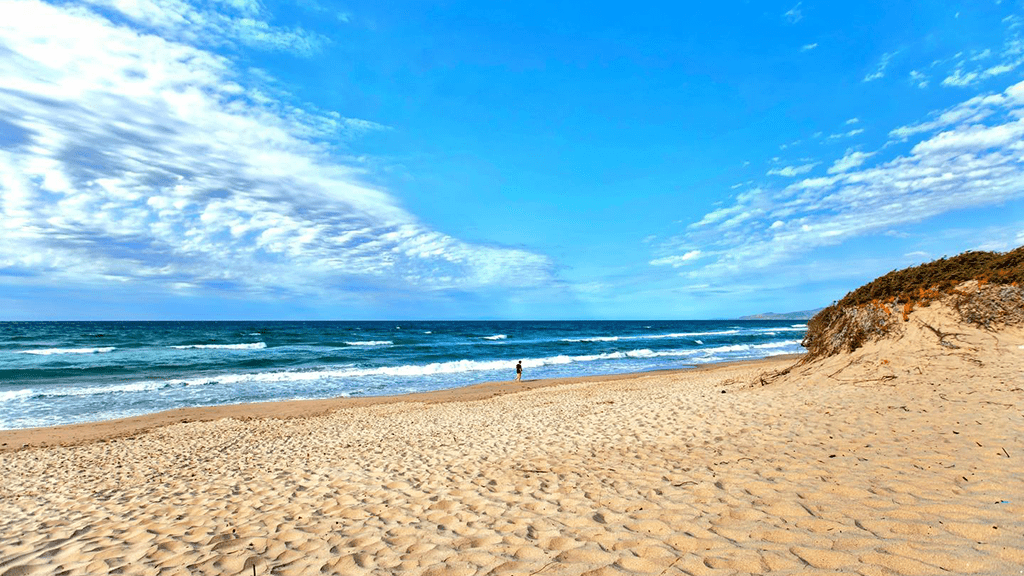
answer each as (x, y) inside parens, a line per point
(271, 273)
(903, 457)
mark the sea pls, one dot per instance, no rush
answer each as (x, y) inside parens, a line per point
(55, 373)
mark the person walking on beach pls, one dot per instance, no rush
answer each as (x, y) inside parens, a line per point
(519, 371)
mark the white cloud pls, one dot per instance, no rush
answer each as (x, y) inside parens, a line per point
(237, 22)
(792, 170)
(970, 111)
(851, 160)
(976, 160)
(131, 157)
(883, 63)
(677, 261)
(808, 47)
(984, 54)
(852, 121)
(961, 78)
(718, 216)
(848, 134)
(793, 15)
(919, 78)
(973, 139)
(1000, 69)
(969, 71)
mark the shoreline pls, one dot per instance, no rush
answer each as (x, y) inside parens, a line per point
(104, 430)
(896, 458)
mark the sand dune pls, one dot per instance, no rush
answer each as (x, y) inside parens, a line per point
(904, 457)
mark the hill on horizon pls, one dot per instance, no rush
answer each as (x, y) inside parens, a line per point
(801, 315)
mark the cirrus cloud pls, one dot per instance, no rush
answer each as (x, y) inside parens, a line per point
(676, 261)
(128, 156)
(968, 156)
(852, 159)
(790, 171)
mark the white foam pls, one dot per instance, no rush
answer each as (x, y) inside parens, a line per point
(11, 395)
(371, 343)
(727, 348)
(94, 390)
(649, 336)
(428, 332)
(783, 344)
(801, 326)
(792, 344)
(496, 337)
(461, 366)
(51, 351)
(695, 355)
(701, 342)
(690, 334)
(252, 346)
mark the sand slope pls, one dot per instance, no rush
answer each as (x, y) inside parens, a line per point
(906, 457)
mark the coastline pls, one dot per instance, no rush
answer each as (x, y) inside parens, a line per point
(105, 430)
(896, 459)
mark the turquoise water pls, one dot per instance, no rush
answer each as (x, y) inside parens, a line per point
(64, 372)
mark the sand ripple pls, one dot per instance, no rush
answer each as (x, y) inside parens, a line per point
(921, 474)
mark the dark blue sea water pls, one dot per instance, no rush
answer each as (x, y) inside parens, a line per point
(63, 372)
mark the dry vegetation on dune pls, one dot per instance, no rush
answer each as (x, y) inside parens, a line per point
(985, 288)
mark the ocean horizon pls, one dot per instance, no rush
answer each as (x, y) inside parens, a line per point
(54, 373)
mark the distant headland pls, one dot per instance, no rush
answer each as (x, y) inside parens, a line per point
(801, 315)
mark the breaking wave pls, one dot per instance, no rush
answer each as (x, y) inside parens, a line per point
(52, 351)
(252, 346)
(650, 336)
(461, 366)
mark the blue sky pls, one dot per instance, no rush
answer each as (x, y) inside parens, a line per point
(360, 160)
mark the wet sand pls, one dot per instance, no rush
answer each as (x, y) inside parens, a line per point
(75, 434)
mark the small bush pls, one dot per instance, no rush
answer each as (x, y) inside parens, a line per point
(936, 279)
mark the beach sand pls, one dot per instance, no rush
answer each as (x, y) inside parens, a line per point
(902, 458)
